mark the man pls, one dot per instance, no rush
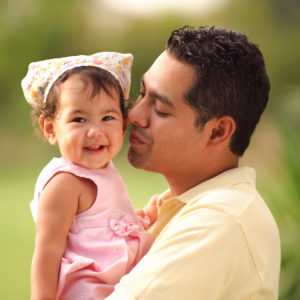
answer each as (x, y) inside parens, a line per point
(199, 104)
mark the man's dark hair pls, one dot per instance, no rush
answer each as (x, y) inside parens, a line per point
(231, 78)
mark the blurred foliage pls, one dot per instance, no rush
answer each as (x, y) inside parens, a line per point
(32, 30)
(284, 190)
(289, 218)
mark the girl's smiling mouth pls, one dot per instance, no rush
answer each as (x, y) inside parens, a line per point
(95, 147)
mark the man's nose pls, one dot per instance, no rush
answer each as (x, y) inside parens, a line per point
(140, 113)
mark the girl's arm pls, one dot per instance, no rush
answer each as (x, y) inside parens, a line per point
(57, 206)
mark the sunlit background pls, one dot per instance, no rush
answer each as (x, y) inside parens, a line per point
(32, 30)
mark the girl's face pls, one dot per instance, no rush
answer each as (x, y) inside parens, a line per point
(88, 130)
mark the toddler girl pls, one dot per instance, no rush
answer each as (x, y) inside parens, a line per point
(87, 233)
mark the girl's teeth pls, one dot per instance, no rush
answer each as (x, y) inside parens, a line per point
(95, 147)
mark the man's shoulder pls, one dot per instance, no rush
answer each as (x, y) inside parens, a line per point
(226, 200)
(240, 208)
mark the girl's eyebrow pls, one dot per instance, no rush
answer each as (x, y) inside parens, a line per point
(163, 99)
(76, 111)
(111, 110)
(107, 111)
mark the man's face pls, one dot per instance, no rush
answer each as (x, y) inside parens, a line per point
(163, 137)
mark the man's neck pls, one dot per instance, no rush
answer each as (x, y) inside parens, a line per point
(185, 181)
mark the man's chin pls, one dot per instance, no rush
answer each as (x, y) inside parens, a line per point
(136, 159)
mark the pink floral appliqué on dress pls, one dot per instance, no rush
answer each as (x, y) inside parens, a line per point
(125, 227)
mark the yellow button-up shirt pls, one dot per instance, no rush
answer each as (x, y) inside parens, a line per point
(218, 240)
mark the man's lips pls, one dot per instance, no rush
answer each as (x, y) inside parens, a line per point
(135, 138)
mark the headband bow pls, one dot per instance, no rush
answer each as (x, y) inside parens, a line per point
(43, 74)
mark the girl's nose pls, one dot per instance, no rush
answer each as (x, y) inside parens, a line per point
(139, 115)
(94, 130)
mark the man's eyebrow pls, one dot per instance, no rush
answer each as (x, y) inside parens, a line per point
(165, 100)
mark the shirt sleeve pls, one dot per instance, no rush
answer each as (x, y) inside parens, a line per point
(200, 253)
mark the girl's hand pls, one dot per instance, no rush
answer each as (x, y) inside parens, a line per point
(150, 210)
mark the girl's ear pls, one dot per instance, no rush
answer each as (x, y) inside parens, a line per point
(47, 126)
(223, 130)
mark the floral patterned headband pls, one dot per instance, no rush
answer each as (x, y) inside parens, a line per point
(43, 74)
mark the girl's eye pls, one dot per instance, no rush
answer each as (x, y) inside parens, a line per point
(107, 118)
(79, 120)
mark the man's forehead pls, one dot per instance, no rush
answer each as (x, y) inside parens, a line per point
(159, 62)
(169, 75)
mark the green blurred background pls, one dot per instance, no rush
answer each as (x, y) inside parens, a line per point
(32, 30)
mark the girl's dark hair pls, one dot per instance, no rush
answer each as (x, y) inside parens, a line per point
(231, 78)
(100, 80)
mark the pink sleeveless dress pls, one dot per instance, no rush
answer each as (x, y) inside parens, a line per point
(105, 242)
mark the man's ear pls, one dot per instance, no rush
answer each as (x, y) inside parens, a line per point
(223, 130)
(47, 126)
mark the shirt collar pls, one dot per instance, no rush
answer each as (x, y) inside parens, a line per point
(225, 179)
